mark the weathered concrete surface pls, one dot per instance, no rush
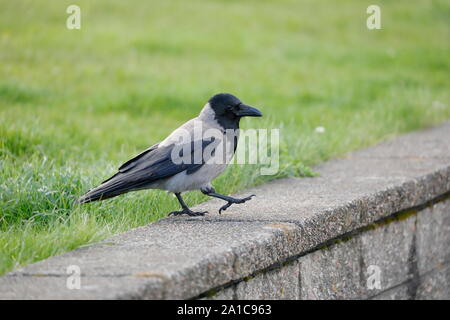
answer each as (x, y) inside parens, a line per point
(433, 237)
(390, 247)
(281, 283)
(401, 292)
(184, 257)
(181, 257)
(332, 273)
(43, 286)
(435, 285)
(343, 269)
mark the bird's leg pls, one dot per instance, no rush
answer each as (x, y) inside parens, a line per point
(230, 200)
(186, 209)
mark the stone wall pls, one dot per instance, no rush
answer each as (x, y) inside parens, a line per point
(408, 253)
(384, 210)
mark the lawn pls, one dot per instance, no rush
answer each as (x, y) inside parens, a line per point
(75, 104)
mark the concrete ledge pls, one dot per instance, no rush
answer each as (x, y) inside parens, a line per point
(310, 238)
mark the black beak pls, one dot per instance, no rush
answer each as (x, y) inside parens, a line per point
(247, 111)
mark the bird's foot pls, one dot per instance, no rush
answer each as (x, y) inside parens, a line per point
(188, 212)
(234, 200)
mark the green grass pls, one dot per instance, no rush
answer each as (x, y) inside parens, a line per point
(74, 105)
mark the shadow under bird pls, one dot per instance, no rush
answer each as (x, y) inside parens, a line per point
(159, 167)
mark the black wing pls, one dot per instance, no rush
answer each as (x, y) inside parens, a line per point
(132, 162)
(151, 165)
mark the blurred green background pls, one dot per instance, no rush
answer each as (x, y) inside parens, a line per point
(75, 104)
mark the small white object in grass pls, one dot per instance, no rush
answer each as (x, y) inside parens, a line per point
(391, 52)
(319, 129)
(438, 105)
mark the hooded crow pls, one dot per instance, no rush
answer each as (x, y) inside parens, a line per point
(188, 159)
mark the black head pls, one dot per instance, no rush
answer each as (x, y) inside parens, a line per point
(229, 110)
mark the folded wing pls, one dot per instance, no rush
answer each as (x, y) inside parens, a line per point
(153, 164)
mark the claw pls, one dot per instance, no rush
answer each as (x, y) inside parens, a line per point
(187, 212)
(248, 198)
(229, 203)
(225, 207)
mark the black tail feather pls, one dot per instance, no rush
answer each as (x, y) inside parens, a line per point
(108, 189)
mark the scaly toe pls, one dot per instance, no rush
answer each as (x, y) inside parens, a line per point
(225, 207)
(196, 214)
(248, 198)
(245, 199)
(236, 201)
(176, 213)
